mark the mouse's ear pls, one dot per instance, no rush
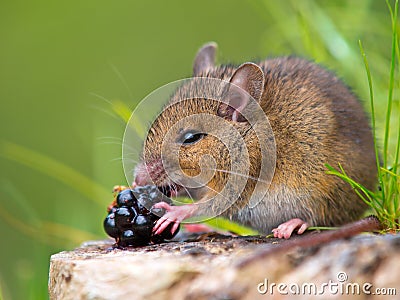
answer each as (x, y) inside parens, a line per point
(205, 58)
(247, 80)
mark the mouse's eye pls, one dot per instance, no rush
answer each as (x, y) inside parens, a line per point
(190, 137)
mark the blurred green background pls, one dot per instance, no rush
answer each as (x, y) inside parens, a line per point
(64, 66)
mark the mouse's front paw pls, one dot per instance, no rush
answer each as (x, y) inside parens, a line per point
(174, 214)
(286, 229)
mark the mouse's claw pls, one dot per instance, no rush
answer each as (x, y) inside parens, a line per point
(174, 214)
(286, 229)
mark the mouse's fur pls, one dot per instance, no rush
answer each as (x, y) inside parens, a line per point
(315, 119)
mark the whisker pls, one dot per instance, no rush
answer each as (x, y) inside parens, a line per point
(108, 112)
(105, 111)
(188, 193)
(217, 193)
(101, 97)
(109, 137)
(116, 159)
(118, 73)
(132, 149)
(109, 143)
(211, 190)
(239, 174)
(119, 142)
(129, 160)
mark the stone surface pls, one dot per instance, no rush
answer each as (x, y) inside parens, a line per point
(223, 267)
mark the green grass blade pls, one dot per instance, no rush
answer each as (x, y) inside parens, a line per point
(121, 109)
(322, 228)
(56, 170)
(366, 195)
(392, 202)
(226, 225)
(391, 83)
(386, 202)
(71, 234)
(14, 196)
(373, 116)
(50, 233)
(390, 172)
(395, 183)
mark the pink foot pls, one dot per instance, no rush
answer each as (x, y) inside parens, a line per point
(286, 229)
(174, 214)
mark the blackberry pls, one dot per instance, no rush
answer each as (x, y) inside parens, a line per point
(144, 204)
(165, 235)
(123, 217)
(125, 198)
(130, 222)
(109, 226)
(130, 238)
(143, 225)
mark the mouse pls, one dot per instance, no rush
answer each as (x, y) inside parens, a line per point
(314, 119)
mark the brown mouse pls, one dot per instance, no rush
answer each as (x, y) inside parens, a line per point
(315, 120)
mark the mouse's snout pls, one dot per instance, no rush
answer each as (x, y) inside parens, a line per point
(153, 173)
(150, 173)
(142, 177)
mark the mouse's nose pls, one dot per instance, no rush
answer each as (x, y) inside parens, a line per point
(141, 181)
(142, 177)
